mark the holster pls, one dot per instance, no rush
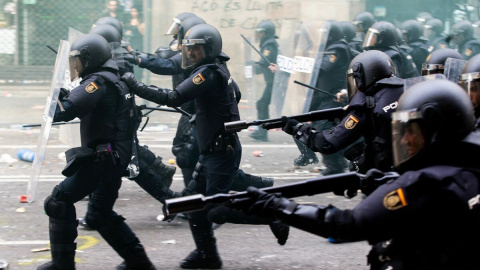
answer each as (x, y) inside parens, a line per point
(224, 142)
(76, 157)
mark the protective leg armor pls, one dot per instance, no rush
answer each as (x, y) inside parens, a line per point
(243, 180)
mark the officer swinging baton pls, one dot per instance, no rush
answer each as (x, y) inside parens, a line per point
(174, 109)
(251, 45)
(314, 88)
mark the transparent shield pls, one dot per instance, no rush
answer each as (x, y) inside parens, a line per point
(412, 81)
(301, 50)
(255, 82)
(58, 78)
(453, 69)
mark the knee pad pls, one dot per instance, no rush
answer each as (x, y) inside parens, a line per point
(97, 220)
(55, 208)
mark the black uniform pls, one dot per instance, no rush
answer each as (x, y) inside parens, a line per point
(106, 127)
(438, 43)
(368, 117)
(469, 49)
(419, 52)
(269, 48)
(332, 79)
(406, 68)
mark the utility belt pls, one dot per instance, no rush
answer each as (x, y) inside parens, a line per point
(104, 154)
(224, 142)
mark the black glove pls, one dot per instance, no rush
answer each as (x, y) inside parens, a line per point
(260, 203)
(131, 58)
(63, 93)
(371, 181)
(289, 124)
(129, 79)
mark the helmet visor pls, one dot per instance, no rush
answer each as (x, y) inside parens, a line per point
(172, 28)
(429, 69)
(351, 85)
(470, 82)
(75, 65)
(407, 136)
(193, 52)
(371, 38)
(259, 34)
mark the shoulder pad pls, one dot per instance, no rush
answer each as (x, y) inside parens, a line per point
(270, 41)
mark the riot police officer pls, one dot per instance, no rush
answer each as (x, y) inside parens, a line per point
(363, 21)
(435, 63)
(433, 31)
(438, 190)
(331, 79)
(382, 36)
(470, 81)
(214, 91)
(374, 91)
(467, 44)
(96, 168)
(412, 32)
(265, 34)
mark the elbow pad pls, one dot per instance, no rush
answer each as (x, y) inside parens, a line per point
(151, 93)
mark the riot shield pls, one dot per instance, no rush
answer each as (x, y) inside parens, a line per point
(61, 64)
(453, 69)
(412, 81)
(255, 83)
(301, 51)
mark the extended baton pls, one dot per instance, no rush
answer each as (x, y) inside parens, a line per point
(174, 109)
(251, 45)
(314, 88)
(53, 124)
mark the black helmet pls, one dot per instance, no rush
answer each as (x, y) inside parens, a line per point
(92, 50)
(348, 30)
(186, 24)
(412, 30)
(172, 28)
(423, 17)
(382, 34)
(470, 79)
(335, 33)
(202, 43)
(111, 21)
(429, 113)
(366, 69)
(266, 27)
(364, 20)
(435, 25)
(435, 62)
(464, 29)
(476, 29)
(107, 31)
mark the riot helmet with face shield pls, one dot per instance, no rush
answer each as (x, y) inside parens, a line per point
(366, 69)
(462, 31)
(412, 30)
(87, 53)
(186, 24)
(470, 79)
(201, 44)
(381, 35)
(435, 62)
(363, 21)
(429, 114)
(265, 30)
(433, 28)
(172, 28)
(110, 21)
(348, 30)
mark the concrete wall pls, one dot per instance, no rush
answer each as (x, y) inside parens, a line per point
(235, 17)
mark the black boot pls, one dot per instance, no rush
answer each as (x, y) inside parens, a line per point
(205, 255)
(307, 156)
(242, 180)
(135, 259)
(259, 135)
(280, 231)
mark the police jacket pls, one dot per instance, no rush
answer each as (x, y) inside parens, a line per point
(366, 116)
(403, 62)
(106, 109)
(215, 94)
(469, 49)
(419, 52)
(332, 75)
(438, 43)
(269, 48)
(430, 214)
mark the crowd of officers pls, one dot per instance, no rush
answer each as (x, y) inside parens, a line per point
(425, 219)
